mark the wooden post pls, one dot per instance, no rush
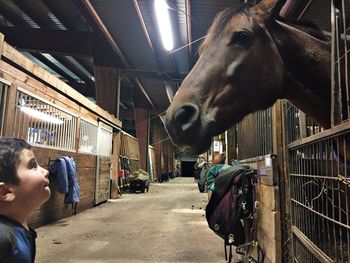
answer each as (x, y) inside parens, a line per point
(106, 88)
(157, 144)
(142, 123)
(2, 38)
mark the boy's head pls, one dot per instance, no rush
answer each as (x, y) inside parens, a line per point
(10, 151)
(24, 185)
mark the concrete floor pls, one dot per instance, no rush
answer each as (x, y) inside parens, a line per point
(165, 225)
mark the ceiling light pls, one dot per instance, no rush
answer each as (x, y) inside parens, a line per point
(40, 115)
(164, 25)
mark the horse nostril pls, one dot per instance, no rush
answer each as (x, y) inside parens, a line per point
(186, 116)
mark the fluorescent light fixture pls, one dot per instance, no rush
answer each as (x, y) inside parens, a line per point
(163, 19)
(40, 115)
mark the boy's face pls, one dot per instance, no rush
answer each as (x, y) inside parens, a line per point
(33, 187)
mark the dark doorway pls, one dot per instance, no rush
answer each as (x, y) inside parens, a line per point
(187, 169)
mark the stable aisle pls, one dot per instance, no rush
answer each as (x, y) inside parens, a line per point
(167, 224)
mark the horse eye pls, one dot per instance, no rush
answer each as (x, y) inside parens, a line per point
(241, 38)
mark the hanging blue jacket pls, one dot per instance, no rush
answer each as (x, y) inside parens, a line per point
(59, 168)
(73, 194)
(67, 178)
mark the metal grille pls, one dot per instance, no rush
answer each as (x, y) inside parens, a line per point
(302, 254)
(259, 142)
(3, 99)
(129, 147)
(340, 63)
(320, 197)
(43, 124)
(299, 124)
(319, 164)
(88, 137)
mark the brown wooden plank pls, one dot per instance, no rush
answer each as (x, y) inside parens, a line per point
(18, 78)
(16, 57)
(1, 43)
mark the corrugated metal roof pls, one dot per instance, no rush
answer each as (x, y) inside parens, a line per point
(121, 19)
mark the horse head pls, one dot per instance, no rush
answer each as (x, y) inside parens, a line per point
(237, 73)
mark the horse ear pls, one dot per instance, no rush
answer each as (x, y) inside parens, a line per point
(271, 7)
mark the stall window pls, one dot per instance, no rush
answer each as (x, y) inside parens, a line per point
(42, 124)
(88, 137)
(105, 142)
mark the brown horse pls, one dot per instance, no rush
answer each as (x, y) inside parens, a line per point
(249, 59)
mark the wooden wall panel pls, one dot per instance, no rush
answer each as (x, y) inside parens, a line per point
(55, 208)
(103, 182)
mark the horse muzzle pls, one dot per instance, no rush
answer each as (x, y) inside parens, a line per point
(184, 127)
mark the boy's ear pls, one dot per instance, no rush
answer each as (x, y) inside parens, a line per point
(6, 195)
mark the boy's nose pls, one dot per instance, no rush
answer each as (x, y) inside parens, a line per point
(45, 172)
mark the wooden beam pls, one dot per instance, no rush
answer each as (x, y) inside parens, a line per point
(143, 25)
(155, 75)
(34, 11)
(72, 67)
(189, 32)
(84, 62)
(142, 132)
(101, 26)
(97, 21)
(11, 16)
(53, 66)
(53, 41)
(106, 88)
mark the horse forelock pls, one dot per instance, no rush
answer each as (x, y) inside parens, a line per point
(220, 22)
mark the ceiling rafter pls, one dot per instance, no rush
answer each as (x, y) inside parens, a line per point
(44, 40)
(53, 66)
(189, 32)
(10, 15)
(148, 38)
(86, 4)
(163, 76)
(48, 23)
(69, 64)
(143, 25)
(70, 26)
(34, 14)
(85, 64)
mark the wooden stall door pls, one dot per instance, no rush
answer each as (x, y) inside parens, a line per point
(104, 160)
(115, 164)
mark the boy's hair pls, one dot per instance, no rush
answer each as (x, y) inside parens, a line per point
(10, 150)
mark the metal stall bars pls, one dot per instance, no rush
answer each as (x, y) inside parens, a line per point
(319, 164)
(258, 140)
(44, 124)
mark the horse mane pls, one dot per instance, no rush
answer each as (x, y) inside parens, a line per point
(307, 26)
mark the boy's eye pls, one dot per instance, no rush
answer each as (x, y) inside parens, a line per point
(33, 164)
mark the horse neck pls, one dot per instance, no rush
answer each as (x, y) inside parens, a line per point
(308, 66)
